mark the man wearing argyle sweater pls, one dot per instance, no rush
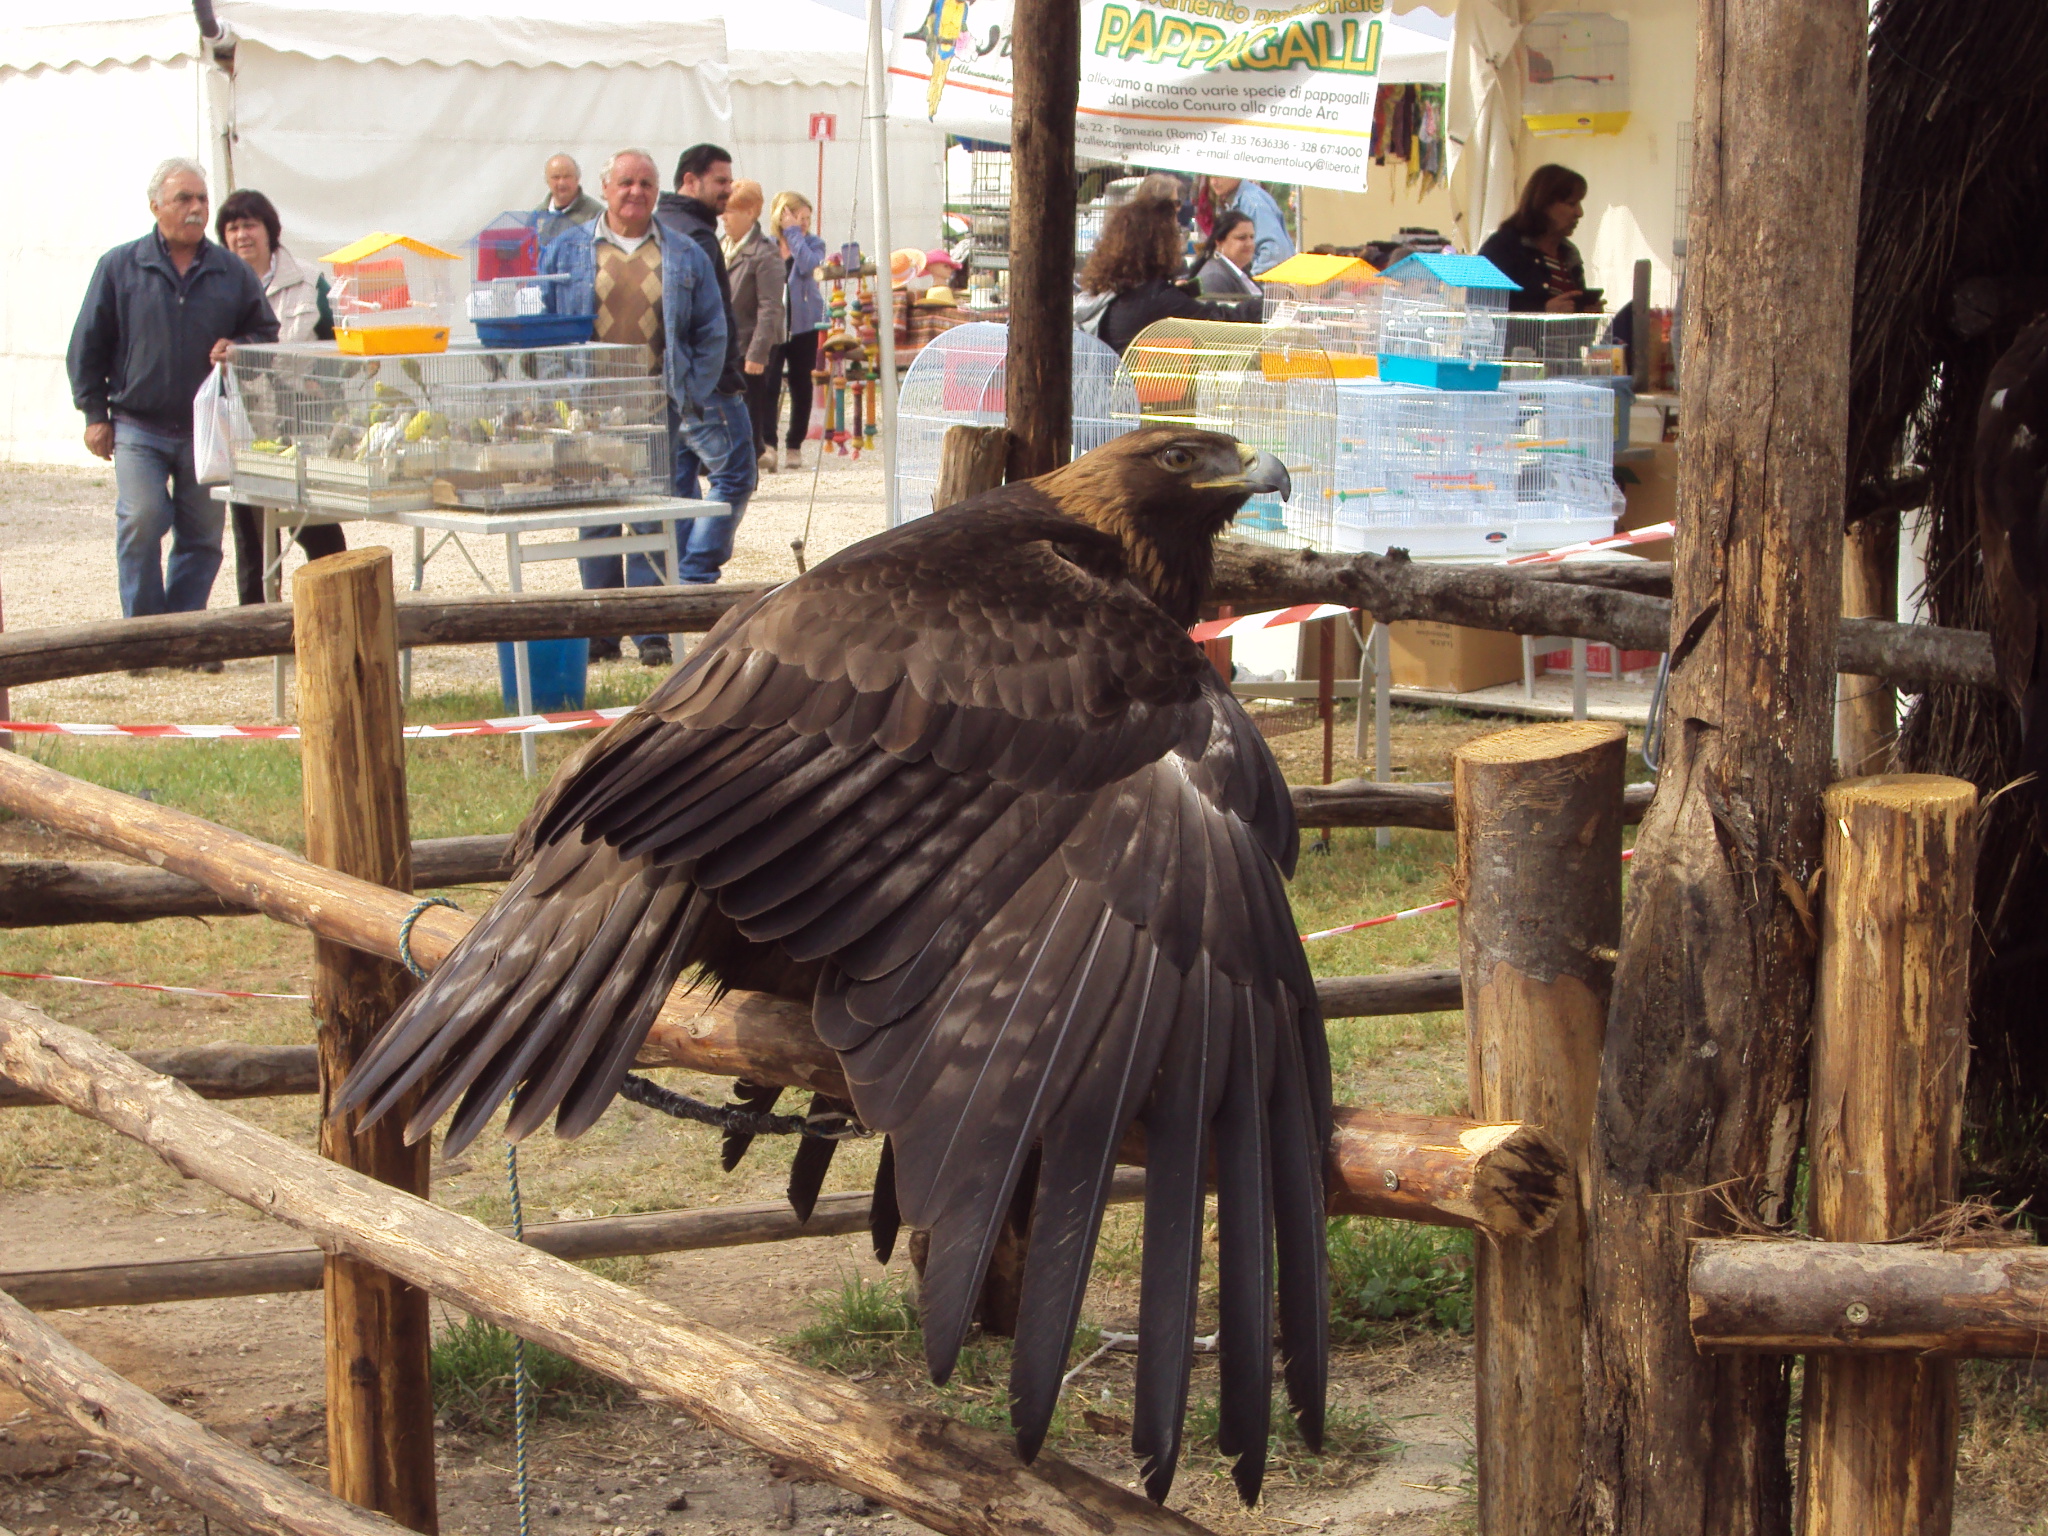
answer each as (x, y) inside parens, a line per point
(661, 294)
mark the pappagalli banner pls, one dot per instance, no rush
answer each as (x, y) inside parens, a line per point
(1203, 86)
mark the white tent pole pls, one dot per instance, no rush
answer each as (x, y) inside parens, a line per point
(885, 307)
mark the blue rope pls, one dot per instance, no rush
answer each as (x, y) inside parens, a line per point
(405, 930)
(522, 1386)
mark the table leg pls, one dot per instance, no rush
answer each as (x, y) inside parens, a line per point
(522, 664)
(1528, 666)
(1382, 719)
(273, 590)
(674, 578)
(1578, 679)
(419, 572)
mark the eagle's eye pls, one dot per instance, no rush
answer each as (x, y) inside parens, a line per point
(1177, 459)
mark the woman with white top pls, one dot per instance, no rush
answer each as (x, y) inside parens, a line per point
(247, 224)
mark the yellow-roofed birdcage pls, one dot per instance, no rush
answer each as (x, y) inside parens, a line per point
(392, 294)
(1337, 298)
(1268, 386)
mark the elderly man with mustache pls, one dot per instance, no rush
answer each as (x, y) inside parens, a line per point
(159, 313)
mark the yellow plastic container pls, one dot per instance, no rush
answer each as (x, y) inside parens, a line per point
(392, 340)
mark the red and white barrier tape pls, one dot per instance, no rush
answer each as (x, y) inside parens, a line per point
(506, 725)
(1395, 917)
(150, 986)
(1244, 624)
(1648, 535)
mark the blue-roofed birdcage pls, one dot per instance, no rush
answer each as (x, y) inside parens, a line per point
(958, 380)
(1444, 322)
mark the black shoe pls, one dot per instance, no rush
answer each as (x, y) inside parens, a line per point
(604, 650)
(655, 653)
(203, 666)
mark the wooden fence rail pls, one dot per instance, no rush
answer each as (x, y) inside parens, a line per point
(1519, 600)
(947, 1475)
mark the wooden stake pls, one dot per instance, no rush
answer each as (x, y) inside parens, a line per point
(380, 1400)
(1891, 1031)
(949, 1476)
(1703, 1079)
(162, 1446)
(1539, 862)
(1045, 74)
(1866, 708)
(971, 461)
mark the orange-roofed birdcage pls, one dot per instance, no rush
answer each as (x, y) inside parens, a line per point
(392, 294)
(1269, 386)
(1335, 297)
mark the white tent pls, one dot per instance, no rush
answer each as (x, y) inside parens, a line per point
(425, 116)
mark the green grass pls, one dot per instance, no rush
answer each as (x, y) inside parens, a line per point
(473, 1370)
(1384, 1272)
(1350, 1435)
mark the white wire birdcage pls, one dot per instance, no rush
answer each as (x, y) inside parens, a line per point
(1564, 447)
(1427, 470)
(1270, 387)
(1443, 322)
(1338, 299)
(471, 428)
(958, 379)
(1541, 346)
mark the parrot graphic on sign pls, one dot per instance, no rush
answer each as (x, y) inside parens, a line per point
(944, 26)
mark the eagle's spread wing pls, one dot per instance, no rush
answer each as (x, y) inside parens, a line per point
(2012, 525)
(1038, 850)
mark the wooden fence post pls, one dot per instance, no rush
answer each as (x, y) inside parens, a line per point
(971, 461)
(1890, 1047)
(380, 1401)
(1045, 70)
(1539, 866)
(1866, 708)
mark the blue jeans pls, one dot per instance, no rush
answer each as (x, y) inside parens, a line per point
(719, 446)
(604, 571)
(157, 491)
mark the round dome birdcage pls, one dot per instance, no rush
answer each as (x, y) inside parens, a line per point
(1268, 386)
(958, 380)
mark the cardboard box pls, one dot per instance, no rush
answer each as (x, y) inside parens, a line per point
(1649, 480)
(1449, 658)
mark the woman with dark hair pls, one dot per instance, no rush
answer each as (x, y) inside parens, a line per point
(247, 224)
(1533, 246)
(1133, 269)
(1225, 270)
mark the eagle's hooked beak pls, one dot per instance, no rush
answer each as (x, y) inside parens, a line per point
(1262, 474)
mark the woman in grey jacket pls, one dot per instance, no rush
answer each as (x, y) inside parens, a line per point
(754, 265)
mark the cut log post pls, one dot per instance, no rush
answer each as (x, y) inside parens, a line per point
(1600, 605)
(1045, 98)
(1891, 1027)
(947, 1475)
(1510, 1181)
(1866, 708)
(971, 460)
(1703, 1080)
(754, 1035)
(380, 1397)
(1539, 863)
(598, 1237)
(162, 1446)
(1870, 1301)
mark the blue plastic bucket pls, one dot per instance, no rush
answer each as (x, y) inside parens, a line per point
(560, 670)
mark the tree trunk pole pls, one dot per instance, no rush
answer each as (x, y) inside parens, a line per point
(971, 460)
(380, 1401)
(1539, 863)
(1890, 1047)
(1866, 708)
(1045, 66)
(1702, 1082)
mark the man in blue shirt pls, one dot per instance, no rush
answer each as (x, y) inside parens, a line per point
(652, 289)
(159, 313)
(1272, 244)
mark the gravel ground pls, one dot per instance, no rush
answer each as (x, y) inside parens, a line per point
(57, 567)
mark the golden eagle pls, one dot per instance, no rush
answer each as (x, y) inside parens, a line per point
(975, 776)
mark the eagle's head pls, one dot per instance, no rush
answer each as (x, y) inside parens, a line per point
(1165, 493)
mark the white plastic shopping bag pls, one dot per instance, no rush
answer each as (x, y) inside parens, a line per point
(217, 420)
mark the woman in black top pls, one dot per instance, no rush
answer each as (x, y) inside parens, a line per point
(1226, 272)
(1533, 245)
(1136, 262)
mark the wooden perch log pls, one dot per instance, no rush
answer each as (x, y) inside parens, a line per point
(754, 1035)
(1509, 1180)
(162, 1446)
(597, 1237)
(55, 893)
(1552, 601)
(947, 1475)
(1806, 1298)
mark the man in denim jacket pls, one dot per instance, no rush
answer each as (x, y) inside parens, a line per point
(650, 289)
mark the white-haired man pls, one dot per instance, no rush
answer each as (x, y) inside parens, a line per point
(566, 203)
(158, 314)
